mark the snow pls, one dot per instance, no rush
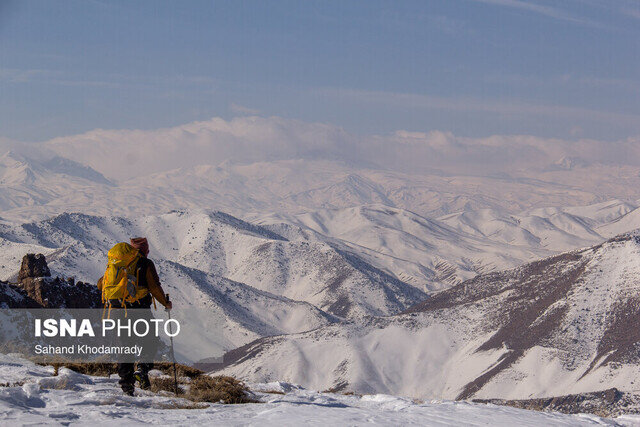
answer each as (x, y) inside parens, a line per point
(317, 242)
(431, 360)
(211, 247)
(76, 399)
(40, 189)
(435, 354)
(428, 231)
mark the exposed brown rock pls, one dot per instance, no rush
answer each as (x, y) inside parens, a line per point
(33, 265)
(57, 293)
(606, 403)
(37, 289)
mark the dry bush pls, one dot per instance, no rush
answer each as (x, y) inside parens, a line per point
(182, 370)
(96, 369)
(63, 384)
(13, 384)
(202, 388)
(159, 384)
(218, 389)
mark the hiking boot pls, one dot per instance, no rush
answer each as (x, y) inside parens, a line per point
(128, 390)
(143, 380)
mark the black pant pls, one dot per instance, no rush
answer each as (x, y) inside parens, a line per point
(126, 372)
(139, 309)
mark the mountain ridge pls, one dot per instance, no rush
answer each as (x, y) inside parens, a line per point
(552, 327)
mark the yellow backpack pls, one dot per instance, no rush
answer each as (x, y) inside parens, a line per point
(120, 280)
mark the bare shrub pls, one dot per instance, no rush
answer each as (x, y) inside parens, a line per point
(182, 370)
(159, 384)
(13, 384)
(218, 389)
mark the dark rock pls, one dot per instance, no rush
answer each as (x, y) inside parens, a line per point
(37, 289)
(59, 293)
(12, 296)
(33, 266)
(605, 403)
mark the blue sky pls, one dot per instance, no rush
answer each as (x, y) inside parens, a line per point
(566, 69)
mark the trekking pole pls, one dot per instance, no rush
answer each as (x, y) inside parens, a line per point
(173, 356)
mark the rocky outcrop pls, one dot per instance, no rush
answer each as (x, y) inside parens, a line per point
(12, 296)
(33, 265)
(37, 289)
(58, 293)
(606, 403)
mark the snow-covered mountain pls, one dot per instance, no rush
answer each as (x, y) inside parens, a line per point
(565, 324)
(26, 182)
(435, 253)
(258, 282)
(295, 186)
(427, 253)
(498, 211)
(272, 252)
(554, 228)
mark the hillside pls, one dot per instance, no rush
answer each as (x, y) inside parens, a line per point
(433, 254)
(563, 325)
(220, 267)
(25, 182)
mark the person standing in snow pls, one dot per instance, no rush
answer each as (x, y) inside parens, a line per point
(147, 278)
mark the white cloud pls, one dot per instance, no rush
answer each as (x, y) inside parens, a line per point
(548, 11)
(127, 153)
(124, 154)
(634, 13)
(532, 7)
(239, 109)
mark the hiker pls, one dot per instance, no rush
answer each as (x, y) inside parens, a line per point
(129, 263)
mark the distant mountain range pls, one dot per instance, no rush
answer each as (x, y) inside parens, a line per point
(37, 189)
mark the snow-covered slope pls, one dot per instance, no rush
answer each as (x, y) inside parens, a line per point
(218, 314)
(217, 244)
(554, 228)
(562, 325)
(26, 182)
(397, 246)
(33, 396)
(427, 253)
(436, 253)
